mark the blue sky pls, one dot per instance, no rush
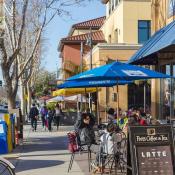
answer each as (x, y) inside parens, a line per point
(60, 27)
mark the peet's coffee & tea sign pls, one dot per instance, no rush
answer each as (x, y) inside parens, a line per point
(151, 149)
(152, 138)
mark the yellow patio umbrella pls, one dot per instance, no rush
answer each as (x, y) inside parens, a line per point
(74, 91)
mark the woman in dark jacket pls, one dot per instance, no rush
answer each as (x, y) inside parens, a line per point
(84, 127)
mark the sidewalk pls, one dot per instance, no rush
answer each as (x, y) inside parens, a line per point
(43, 152)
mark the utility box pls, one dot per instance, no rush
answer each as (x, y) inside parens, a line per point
(19, 121)
(9, 133)
(3, 138)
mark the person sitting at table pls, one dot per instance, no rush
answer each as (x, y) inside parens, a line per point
(84, 128)
(123, 120)
(108, 139)
(111, 115)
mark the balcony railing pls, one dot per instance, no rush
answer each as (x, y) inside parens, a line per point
(69, 66)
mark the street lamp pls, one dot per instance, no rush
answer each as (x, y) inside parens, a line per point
(89, 43)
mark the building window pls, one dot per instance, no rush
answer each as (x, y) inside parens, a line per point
(114, 96)
(112, 5)
(109, 5)
(109, 38)
(116, 3)
(144, 31)
(116, 35)
(171, 8)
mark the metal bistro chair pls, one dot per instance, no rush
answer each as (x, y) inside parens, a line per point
(117, 159)
(75, 146)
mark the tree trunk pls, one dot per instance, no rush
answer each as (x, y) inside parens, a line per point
(23, 100)
(11, 101)
(11, 85)
(29, 97)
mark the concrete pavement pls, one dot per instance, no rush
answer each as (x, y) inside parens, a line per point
(43, 152)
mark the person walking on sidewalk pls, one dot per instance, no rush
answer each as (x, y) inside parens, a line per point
(50, 118)
(57, 115)
(43, 113)
(34, 116)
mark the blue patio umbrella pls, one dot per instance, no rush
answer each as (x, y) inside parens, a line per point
(92, 83)
(118, 71)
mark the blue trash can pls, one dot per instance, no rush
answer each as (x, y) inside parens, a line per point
(3, 138)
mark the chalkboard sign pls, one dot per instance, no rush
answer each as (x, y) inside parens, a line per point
(152, 150)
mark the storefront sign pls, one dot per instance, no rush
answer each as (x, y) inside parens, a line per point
(154, 160)
(151, 150)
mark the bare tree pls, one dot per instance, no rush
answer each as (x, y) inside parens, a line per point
(20, 40)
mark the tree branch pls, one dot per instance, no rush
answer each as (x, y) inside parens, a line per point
(16, 80)
(3, 51)
(33, 51)
(23, 23)
(10, 34)
(18, 47)
(14, 20)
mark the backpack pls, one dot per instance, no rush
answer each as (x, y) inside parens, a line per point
(87, 136)
(72, 142)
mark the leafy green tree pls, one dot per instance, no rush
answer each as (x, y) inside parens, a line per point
(44, 83)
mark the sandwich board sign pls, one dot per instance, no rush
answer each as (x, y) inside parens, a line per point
(152, 150)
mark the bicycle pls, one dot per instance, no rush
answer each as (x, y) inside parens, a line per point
(6, 168)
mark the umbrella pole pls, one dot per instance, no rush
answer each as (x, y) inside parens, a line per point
(98, 113)
(144, 89)
(77, 106)
(86, 101)
(117, 103)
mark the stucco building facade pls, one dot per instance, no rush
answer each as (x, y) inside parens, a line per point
(124, 29)
(121, 32)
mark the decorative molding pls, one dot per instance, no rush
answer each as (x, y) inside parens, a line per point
(123, 46)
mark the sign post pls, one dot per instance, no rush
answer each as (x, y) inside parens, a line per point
(152, 150)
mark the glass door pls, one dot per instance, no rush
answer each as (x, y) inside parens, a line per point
(167, 93)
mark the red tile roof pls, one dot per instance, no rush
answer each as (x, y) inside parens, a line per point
(97, 36)
(93, 23)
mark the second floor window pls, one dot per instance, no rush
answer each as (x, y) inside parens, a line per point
(144, 31)
(171, 8)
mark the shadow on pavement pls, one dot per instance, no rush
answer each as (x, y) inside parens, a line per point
(36, 164)
(43, 144)
(46, 154)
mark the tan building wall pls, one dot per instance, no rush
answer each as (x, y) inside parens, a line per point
(134, 11)
(101, 54)
(122, 24)
(160, 14)
(113, 26)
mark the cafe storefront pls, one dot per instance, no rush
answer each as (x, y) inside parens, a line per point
(159, 54)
